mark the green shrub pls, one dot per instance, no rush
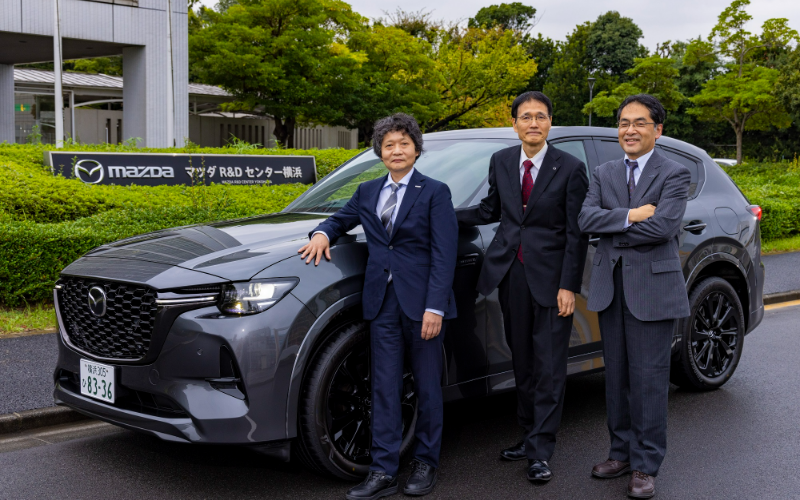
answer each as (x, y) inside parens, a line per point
(47, 221)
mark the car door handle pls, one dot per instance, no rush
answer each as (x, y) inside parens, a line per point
(695, 226)
(594, 241)
(469, 259)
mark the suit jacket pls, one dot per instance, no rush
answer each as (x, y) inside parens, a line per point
(553, 247)
(652, 275)
(420, 254)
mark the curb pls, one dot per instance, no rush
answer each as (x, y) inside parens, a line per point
(42, 417)
(776, 298)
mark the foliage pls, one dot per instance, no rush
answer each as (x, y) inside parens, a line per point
(47, 221)
(277, 57)
(613, 44)
(37, 316)
(106, 65)
(478, 69)
(543, 51)
(513, 16)
(787, 88)
(654, 75)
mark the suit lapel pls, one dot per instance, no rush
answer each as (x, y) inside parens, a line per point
(649, 173)
(548, 170)
(409, 197)
(372, 194)
(512, 167)
(620, 182)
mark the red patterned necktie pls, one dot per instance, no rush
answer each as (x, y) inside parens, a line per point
(527, 187)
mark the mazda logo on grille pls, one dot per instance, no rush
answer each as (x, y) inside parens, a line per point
(97, 301)
(89, 171)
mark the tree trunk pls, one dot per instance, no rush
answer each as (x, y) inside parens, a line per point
(739, 134)
(284, 131)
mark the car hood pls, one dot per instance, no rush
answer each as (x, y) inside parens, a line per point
(234, 250)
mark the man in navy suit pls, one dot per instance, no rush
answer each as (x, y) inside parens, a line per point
(412, 236)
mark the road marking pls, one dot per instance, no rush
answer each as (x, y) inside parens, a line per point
(782, 304)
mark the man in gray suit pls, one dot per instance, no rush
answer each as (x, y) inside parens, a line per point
(636, 205)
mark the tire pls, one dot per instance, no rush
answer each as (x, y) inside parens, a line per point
(334, 435)
(711, 338)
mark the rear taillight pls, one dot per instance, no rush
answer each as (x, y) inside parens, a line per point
(755, 210)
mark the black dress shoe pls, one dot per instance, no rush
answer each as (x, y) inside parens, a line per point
(377, 485)
(539, 471)
(516, 452)
(422, 479)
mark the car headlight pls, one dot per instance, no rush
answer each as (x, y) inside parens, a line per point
(254, 296)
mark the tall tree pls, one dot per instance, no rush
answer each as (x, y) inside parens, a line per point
(744, 96)
(787, 87)
(479, 68)
(543, 51)
(397, 74)
(513, 16)
(613, 43)
(278, 57)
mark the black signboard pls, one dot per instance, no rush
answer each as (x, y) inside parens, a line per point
(155, 169)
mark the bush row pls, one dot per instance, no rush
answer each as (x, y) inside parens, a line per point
(31, 192)
(47, 221)
(776, 188)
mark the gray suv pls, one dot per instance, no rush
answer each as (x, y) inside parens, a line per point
(220, 333)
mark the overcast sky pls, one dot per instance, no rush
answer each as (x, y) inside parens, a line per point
(660, 20)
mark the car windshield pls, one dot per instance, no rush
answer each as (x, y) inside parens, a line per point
(462, 165)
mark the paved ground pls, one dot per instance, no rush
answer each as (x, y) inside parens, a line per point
(783, 272)
(26, 372)
(738, 442)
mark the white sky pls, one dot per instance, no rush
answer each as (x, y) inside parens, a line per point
(660, 20)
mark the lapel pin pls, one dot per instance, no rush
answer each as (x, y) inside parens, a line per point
(417, 186)
(554, 168)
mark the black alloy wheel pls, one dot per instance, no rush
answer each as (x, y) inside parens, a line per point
(711, 337)
(336, 407)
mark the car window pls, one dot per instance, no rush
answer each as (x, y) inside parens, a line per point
(687, 161)
(576, 149)
(608, 151)
(462, 165)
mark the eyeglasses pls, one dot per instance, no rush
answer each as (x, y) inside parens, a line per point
(638, 124)
(526, 119)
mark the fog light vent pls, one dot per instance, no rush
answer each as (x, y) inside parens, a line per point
(229, 381)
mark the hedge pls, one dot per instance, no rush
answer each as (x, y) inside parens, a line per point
(47, 221)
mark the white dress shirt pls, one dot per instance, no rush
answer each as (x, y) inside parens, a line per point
(641, 161)
(386, 191)
(537, 160)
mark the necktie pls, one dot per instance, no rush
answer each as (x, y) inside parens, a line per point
(388, 208)
(633, 165)
(527, 187)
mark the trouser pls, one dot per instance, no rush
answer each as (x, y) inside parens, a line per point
(637, 359)
(539, 343)
(393, 336)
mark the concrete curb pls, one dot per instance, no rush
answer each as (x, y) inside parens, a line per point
(33, 419)
(776, 298)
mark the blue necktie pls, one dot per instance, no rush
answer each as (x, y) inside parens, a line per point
(633, 165)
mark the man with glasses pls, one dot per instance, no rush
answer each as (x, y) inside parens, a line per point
(536, 261)
(636, 205)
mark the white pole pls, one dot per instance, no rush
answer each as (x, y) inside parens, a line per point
(72, 113)
(57, 63)
(170, 82)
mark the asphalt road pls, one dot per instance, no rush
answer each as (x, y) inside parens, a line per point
(783, 272)
(738, 442)
(26, 372)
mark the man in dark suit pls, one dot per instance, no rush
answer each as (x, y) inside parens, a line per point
(536, 260)
(412, 237)
(636, 205)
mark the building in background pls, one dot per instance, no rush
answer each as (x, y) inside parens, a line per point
(99, 117)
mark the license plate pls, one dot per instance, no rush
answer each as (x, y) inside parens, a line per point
(97, 381)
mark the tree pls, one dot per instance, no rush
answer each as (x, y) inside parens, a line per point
(418, 24)
(396, 75)
(654, 75)
(543, 51)
(478, 68)
(787, 88)
(613, 43)
(744, 96)
(513, 16)
(278, 57)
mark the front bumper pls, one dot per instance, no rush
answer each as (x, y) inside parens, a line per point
(172, 397)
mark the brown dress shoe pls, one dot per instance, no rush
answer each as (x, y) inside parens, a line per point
(611, 468)
(641, 485)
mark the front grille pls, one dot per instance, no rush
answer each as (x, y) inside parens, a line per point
(126, 328)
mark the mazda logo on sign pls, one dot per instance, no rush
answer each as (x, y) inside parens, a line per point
(97, 301)
(89, 171)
